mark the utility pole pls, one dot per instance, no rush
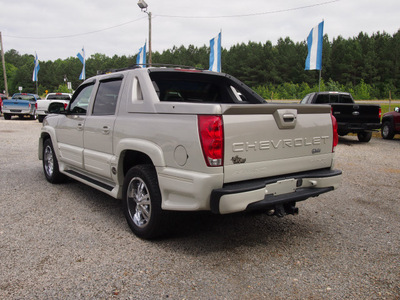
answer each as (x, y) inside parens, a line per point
(143, 6)
(4, 65)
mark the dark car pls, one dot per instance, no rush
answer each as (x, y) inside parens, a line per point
(391, 124)
(351, 117)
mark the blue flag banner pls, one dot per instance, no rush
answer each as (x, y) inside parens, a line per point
(36, 69)
(314, 42)
(215, 54)
(141, 57)
(81, 56)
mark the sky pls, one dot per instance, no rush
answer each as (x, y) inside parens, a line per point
(57, 29)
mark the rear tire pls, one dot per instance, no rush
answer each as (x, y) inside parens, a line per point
(364, 136)
(7, 117)
(50, 164)
(41, 118)
(387, 130)
(141, 202)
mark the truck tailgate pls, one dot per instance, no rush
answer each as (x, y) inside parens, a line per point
(268, 140)
(355, 113)
(16, 105)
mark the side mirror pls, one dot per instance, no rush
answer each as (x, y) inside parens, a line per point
(397, 109)
(57, 108)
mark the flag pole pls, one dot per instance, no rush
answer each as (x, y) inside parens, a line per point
(319, 82)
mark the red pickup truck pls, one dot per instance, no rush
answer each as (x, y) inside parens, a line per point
(2, 97)
(391, 124)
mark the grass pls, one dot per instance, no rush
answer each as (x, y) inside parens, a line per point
(385, 107)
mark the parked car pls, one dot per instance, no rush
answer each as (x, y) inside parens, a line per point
(21, 105)
(391, 124)
(42, 105)
(351, 117)
(2, 97)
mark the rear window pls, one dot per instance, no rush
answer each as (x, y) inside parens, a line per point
(188, 91)
(59, 97)
(346, 99)
(201, 87)
(333, 98)
(322, 99)
(24, 97)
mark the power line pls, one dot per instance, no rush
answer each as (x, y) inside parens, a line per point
(174, 16)
(250, 15)
(74, 35)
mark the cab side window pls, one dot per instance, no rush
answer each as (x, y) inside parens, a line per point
(105, 102)
(80, 102)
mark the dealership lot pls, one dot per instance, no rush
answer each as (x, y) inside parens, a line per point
(70, 241)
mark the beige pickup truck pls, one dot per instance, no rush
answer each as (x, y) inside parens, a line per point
(165, 139)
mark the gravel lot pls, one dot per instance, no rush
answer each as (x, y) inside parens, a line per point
(71, 241)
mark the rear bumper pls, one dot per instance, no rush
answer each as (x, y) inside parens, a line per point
(358, 127)
(269, 192)
(41, 112)
(18, 111)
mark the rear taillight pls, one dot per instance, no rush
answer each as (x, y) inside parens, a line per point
(212, 139)
(335, 133)
(380, 113)
(65, 106)
(36, 105)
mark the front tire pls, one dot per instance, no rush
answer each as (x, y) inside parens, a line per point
(142, 201)
(387, 130)
(50, 164)
(364, 136)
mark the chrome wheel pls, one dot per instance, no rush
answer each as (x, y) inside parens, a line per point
(139, 202)
(142, 202)
(48, 161)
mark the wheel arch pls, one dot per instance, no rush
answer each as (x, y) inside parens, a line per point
(388, 118)
(134, 152)
(133, 158)
(44, 135)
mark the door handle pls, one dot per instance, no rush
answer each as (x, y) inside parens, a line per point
(105, 130)
(80, 126)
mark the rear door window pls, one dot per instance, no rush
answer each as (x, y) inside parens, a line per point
(105, 102)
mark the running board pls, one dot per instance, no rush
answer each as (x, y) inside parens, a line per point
(91, 180)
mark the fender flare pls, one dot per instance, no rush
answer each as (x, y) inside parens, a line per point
(151, 149)
(47, 131)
